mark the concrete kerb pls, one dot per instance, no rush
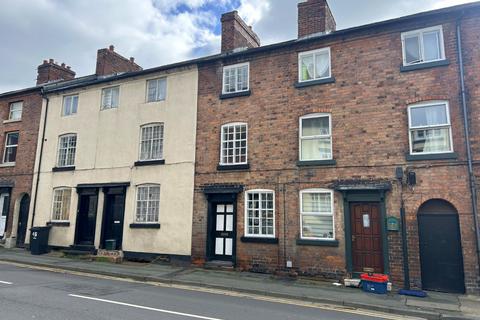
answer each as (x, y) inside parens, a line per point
(354, 305)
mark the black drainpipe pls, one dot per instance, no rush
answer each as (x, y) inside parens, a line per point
(40, 157)
(471, 175)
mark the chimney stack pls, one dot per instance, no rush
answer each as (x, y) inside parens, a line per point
(315, 17)
(236, 34)
(50, 71)
(109, 62)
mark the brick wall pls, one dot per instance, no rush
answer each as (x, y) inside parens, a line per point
(22, 173)
(368, 103)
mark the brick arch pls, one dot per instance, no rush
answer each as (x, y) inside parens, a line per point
(436, 196)
(426, 98)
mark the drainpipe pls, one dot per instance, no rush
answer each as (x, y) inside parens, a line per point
(471, 175)
(40, 157)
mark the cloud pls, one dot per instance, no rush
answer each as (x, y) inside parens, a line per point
(155, 32)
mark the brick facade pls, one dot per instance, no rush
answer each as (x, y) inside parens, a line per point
(368, 105)
(20, 175)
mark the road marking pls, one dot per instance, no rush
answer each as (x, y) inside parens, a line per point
(294, 302)
(5, 282)
(144, 308)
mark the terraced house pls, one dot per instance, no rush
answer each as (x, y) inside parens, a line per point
(116, 156)
(311, 151)
(20, 118)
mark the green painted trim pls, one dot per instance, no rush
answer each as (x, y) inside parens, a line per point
(383, 214)
(348, 233)
(365, 196)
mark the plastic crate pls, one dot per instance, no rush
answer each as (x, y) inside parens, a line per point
(375, 277)
(374, 287)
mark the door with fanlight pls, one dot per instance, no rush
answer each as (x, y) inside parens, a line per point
(223, 231)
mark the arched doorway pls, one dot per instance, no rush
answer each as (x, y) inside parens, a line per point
(23, 220)
(441, 256)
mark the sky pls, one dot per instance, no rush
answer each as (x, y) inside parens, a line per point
(155, 32)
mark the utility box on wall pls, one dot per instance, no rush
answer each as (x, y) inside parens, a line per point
(393, 224)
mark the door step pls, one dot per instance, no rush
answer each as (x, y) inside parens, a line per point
(219, 265)
(80, 250)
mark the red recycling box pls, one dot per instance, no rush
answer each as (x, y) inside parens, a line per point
(375, 277)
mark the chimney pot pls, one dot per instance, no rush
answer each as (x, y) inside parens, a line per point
(111, 48)
(68, 67)
(45, 61)
(50, 71)
(63, 65)
(132, 59)
(50, 60)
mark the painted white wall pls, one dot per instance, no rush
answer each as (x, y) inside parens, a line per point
(108, 146)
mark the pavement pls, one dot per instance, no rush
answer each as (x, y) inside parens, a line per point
(435, 306)
(43, 295)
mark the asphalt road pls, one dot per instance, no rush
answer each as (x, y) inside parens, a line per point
(36, 294)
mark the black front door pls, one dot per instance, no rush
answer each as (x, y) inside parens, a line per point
(86, 217)
(23, 220)
(113, 216)
(441, 252)
(223, 236)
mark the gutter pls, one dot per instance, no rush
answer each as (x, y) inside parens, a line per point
(471, 176)
(42, 92)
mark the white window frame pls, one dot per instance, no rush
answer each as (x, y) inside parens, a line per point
(323, 214)
(10, 146)
(448, 125)
(10, 111)
(64, 114)
(300, 137)
(313, 53)
(157, 80)
(236, 66)
(102, 104)
(53, 203)
(141, 140)
(58, 150)
(147, 185)
(246, 214)
(222, 141)
(420, 33)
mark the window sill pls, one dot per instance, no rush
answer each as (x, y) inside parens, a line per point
(259, 240)
(235, 94)
(149, 163)
(319, 243)
(145, 226)
(58, 224)
(315, 163)
(234, 167)
(7, 164)
(61, 169)
(434, 156)
(424, 65)
(12, 121)
(304, 84)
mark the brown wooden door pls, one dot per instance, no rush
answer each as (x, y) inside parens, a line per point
(366, 237)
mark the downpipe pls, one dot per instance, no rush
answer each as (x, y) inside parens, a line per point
(471, 176)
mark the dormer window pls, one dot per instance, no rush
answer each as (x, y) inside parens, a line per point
(236, 78)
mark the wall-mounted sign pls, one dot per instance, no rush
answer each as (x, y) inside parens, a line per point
(393, 224)
(366, 220)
